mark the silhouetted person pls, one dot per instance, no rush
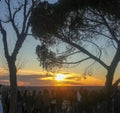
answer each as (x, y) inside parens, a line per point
(46, 101)
(4, 99)
(116, 99)
(25, 101)
(29, 103)
(1, 106)
(33, 100)
(39, 103)
(53, 102)
(19, 102)
(59, 99)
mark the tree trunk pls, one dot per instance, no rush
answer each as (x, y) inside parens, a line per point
(111, 70)
(13, 86)
(108, 89)
(109, 80)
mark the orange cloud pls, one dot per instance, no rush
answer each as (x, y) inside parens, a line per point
(73, 80)
(21, 83)
(30, 72)
(38, 78)
(3, 71)
(92, 81)
(5, 82)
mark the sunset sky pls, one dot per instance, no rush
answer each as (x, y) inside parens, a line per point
(31, 74)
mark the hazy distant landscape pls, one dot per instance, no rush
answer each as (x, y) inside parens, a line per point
(62, 87)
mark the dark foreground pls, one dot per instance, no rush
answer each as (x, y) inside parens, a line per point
(62, 100)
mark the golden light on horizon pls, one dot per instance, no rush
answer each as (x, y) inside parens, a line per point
(39, 78)
(59, 77)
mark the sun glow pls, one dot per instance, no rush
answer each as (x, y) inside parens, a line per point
(59, 77)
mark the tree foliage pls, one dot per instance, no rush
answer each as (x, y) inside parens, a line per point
(52, 16)
(81, 24)
(48, 59)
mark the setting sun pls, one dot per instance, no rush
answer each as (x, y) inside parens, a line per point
(59, 77)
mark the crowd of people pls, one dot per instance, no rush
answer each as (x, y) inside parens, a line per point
(60, 100)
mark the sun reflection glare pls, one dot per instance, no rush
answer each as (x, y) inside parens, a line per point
(59, 77)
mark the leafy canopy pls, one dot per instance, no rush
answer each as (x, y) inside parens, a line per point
(75, 22)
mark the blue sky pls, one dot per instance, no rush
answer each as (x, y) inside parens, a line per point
(52, 1)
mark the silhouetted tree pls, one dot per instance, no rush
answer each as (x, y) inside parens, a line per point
(16, 18)
(79, 23)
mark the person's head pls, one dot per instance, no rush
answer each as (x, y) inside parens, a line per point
(0, 86)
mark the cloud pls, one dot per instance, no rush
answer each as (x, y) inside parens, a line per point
(92, 81)
(71, 79)
(22, 83)
(3, 71)
(5, 82)
(31, 72)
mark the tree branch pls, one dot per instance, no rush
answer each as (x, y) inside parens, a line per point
(72, 53)
(107, 25)
(77, 61)
(12, 18)
(3, 32)
(96, 46)
(18, 45)
(26, 16)
(116, 83)
(99, 33)
(16, 11)
(83, 50)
